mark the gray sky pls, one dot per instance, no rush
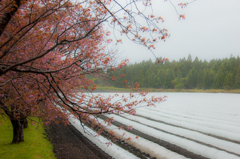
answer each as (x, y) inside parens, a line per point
(211, 30)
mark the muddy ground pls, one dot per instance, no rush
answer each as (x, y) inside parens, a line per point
(69, 143)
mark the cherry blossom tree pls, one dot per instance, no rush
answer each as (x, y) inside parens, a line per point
(47, 47)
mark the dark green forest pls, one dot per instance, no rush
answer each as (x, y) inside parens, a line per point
(182, 74)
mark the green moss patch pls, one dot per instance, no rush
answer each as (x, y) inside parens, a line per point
(35, 144)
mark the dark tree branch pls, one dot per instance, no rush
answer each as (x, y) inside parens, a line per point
(7, 16)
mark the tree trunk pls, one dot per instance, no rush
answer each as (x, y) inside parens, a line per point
(17, 130)
(25, 123)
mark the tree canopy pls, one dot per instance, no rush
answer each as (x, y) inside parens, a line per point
(183, 74)
(49, 46)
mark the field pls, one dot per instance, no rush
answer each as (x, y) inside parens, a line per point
(115, 89)
(187, 125)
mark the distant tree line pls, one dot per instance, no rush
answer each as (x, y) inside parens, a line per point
(183, 74)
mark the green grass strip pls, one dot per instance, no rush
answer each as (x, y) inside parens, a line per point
(112, 89)
(35, 144)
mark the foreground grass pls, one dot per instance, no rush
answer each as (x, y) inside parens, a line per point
(115, 89)
(35, 144)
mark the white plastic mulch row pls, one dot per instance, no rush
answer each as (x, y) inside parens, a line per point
(184, 143)
(112, 150)
(215, 107)
(224, 131)
(233, 127)
(144, 145)
(192, 115)
(181, 110)
(223, 107)
(222, 144)
(223, 104)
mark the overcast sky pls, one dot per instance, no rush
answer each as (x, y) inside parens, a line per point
(211, 30)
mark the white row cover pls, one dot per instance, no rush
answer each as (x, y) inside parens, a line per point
(112, 150)
(223, 132)
(222, 144)
(185, 113)
(144, 145)
(185, 116)
(184, 143)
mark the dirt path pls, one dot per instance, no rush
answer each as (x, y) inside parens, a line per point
(69, 143)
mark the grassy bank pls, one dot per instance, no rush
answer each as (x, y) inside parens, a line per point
(114, 89)
(35, 144)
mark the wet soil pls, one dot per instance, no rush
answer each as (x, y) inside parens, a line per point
(69, 143)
